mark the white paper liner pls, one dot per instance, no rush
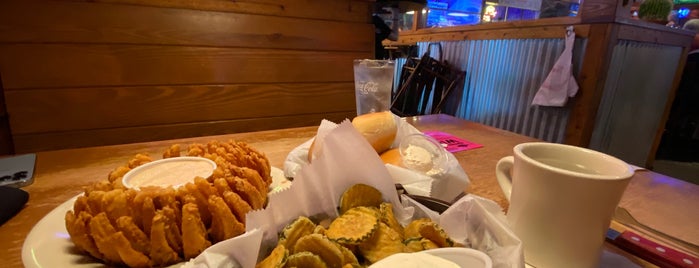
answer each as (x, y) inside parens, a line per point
(347, 159)
(447, 186)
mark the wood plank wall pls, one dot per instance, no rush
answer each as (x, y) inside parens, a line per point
(86, 73)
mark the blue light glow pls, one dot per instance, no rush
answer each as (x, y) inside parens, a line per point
(682, 13)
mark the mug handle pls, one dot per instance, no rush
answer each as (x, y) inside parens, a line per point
(503, 174)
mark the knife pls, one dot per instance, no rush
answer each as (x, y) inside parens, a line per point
(649, 250)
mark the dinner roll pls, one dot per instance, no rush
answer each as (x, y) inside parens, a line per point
(378, 128)
(392, 156)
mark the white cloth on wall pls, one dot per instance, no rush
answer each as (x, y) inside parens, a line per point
(560, 83)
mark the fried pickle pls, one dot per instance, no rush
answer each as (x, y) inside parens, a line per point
(298, 228)
(276, 259)
(383, 243)
(389, 218)
(321, 246)
(360, 195)
(354, 226)
(306, 259)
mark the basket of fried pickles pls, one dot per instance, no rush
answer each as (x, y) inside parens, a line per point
(343, 210)
(365, 232)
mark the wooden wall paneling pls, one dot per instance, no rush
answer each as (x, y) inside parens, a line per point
(592, 11)
(26, 143)
(85, 65)
(88, 108)
(342, 10)
(91, 23)
(84, 73)
(6, 144)
(591, 79)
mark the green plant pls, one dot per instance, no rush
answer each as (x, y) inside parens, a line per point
(656, 10)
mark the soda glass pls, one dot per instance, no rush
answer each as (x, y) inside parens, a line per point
(373, 83)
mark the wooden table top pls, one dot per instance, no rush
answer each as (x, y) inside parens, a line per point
(656, 200)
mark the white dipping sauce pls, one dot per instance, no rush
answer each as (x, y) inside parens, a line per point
(417, 158)
(414, 260)
(166, 172)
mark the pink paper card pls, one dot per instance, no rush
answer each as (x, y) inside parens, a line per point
(452, 143)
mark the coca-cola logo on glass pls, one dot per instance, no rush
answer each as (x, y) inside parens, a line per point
(369, 86)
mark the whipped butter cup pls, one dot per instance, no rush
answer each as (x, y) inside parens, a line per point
(423, 154)
(173, 171)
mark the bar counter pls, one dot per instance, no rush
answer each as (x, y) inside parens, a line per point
(656, 200)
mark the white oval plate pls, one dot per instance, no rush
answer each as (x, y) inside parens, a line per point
(48, 243)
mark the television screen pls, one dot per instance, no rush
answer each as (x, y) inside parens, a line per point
(444, 13)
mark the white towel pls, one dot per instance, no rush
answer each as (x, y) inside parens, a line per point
(560, 83)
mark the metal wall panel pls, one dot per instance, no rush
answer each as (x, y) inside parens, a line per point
(502, 77)
(635, 94)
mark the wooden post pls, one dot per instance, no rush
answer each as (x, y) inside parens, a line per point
(592, 77)
(598, 10)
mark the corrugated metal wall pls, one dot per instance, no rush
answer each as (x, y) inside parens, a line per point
(637, 88)
(502, 77)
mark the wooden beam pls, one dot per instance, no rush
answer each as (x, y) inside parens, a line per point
(663, 36)
(591, 80)
(543, 28)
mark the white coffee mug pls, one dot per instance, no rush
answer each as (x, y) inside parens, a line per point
(562, 199)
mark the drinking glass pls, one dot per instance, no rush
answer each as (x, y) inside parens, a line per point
(373, 83)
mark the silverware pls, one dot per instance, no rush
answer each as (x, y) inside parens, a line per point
(649, 250)
(624, 217)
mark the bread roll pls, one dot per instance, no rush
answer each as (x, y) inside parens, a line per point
(392, 157)
(378, 128)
